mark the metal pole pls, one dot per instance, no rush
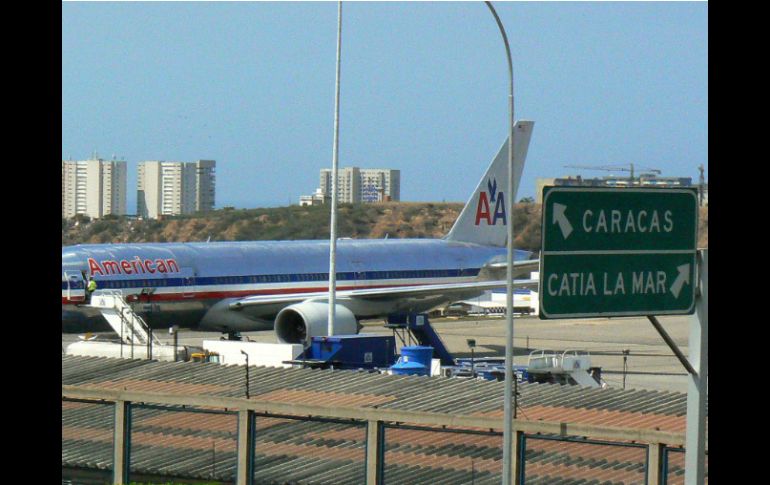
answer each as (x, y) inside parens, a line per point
(671, 344)
(515, 393)
(508, 405)
(697, 384)
(625, 361)
(335, 156)
(247, 373)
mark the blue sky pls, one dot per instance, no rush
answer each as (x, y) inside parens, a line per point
(424, 89)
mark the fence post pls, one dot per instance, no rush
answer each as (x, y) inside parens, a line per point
(374, 452)
(517, 457)
(654, 462)
(121, 444)
(245, 461)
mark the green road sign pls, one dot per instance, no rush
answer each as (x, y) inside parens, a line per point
(618, 252)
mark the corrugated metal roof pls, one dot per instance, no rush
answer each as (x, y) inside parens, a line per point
(656, 409)
(197, 445)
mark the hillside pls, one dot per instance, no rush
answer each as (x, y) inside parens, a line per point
(359, 221)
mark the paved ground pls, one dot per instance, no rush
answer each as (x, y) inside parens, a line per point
(650, 364)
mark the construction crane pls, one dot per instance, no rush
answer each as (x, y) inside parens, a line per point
(617, 168)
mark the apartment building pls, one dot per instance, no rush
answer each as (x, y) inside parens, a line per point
(94, 187)
(173, 188)
(362, 185)
(205, 184)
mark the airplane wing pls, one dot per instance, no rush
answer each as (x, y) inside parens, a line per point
(386, 293)
(522, 270)
(519, 267)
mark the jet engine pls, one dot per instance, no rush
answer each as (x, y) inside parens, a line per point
(297, 324)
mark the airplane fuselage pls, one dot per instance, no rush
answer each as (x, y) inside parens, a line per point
(243, 286)
(180, 283)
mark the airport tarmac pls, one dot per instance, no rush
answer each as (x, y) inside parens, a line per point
(650, 363)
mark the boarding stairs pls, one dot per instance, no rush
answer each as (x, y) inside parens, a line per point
(419, 329)
(131, 328)
(570, 362)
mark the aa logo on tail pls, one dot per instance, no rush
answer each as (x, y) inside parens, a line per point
(486, 199)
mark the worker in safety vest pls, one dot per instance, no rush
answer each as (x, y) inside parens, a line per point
(90, 288)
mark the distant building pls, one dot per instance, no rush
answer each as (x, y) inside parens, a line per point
(644, 180)
(359, 185)
(173, 188)
(205, 184)
(94, 188)
(318, 198)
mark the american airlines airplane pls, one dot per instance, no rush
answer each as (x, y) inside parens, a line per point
(234, 287)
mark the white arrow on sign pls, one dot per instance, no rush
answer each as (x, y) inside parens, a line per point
(561, 219)
(682, 278)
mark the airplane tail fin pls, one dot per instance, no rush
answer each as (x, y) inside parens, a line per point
(483, 220)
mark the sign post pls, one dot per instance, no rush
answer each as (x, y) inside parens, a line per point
(697, 383)
(618, 252)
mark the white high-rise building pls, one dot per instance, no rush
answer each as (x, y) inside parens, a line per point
(94, 188)
(380, 185)
(355, 185)
(173, 188)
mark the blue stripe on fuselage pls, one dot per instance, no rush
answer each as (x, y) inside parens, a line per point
(270, 262)
(203, 281)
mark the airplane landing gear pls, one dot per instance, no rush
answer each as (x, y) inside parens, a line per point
(232, 335)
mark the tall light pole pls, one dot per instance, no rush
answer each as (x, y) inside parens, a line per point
(335, 156)
(508, 414)
(247, 373)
